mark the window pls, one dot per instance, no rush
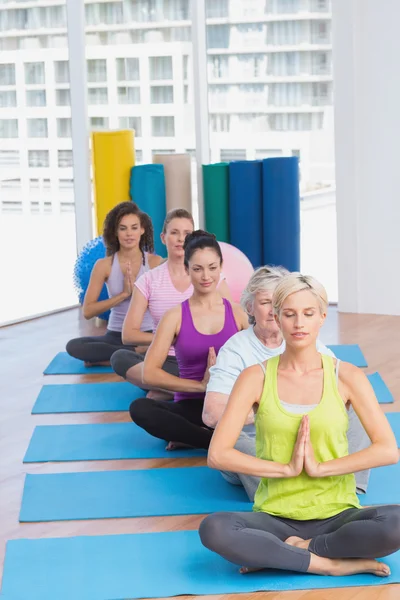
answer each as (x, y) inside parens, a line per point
(7, 74)
(9, 158)
(217, 9)
(64, 158)
(218, 67)
(138, 157)
(104, 13)
(185, 59)
(163, 126)
(131, 123)
(128, 69)
(129, 95)
(64, 128)
(63, 98)
(99, 122)
(218, 36)
(61, 71)
(160, 68)
(228, 155)
(220, 123)
(36, 98)
(260, 154)
(37, 128)
(163, 151)
(97, 71)
(162, 94)
(34, 73)
(97, 96)
(8, 99)
(38, 158)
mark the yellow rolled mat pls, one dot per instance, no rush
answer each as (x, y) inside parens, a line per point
(113, 156)
(178, 186)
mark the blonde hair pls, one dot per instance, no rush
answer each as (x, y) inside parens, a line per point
(264, 279)
(296, 282)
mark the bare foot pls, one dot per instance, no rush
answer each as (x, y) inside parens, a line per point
(298, 542)
(103, 363)
(158, 395)
(177, 446)
(245, 570)
(347, 566)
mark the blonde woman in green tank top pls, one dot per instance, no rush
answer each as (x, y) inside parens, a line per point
(306, 515)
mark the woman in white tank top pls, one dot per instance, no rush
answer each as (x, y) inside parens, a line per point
(129, 240)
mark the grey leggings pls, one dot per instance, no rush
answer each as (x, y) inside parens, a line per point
(96, 348)
(123, 360)
(258, 539)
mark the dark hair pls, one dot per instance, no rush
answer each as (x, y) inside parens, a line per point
(198, 240)
(177, 213)
(112, 221)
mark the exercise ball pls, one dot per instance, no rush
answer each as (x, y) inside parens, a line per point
(237, 269)
(84, 264)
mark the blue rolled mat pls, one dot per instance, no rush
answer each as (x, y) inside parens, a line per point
(104, 441)
(281, 212)
(157, 492)
(147, 565)
(349, 353)
(382, 392)
(64, 364)
(86, 397)
(245, 209)
(119, 494)
(147, 189)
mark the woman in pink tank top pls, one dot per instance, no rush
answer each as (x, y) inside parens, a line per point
(197, 328)
(129, 240)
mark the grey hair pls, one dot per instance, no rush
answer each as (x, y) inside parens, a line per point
(296, 282)
(264, 279)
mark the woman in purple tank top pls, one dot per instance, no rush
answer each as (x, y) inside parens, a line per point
(129, 240)
(197, 329)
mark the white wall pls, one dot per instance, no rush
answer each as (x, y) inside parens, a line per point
(366, 50)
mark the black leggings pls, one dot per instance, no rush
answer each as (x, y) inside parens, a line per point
(123, 360)
(95, 349)
(258, 539)
(172, 421)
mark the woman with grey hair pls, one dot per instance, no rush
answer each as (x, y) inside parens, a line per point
(261, 341)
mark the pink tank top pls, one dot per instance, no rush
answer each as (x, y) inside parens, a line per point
(191, 346)
(115, 285)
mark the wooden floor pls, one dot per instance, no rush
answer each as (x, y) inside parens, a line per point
(27, 348)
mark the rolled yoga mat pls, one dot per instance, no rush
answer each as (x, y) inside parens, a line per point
(148, 565)
(178, 185)
(147, 189)
(103, 441)
(245, 209)
(281, 212)
(113, 156)
(157, 492)
(216, 200)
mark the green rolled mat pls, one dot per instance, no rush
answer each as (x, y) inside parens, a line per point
(216, 200)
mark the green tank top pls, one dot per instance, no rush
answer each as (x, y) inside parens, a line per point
(303, 498)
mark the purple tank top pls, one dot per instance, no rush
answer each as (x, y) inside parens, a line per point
(115, 285)
(191, 346)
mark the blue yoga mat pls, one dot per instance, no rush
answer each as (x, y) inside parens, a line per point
(349, 353)
(157, 492)
(281, 212)
(382, 392)
(147, 565)
(147, 189)
(245, 209)
(64, 364)
(118, 494)
(394, 420)
(105, 441)
(86, 397)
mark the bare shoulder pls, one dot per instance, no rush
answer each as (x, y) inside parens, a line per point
(154, 260)
(240, 316)
(103, 266)
(173, 314)
(252, 375)
(350, 375)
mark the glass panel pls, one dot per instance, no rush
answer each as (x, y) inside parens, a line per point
(270, 93)
(34, 200)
